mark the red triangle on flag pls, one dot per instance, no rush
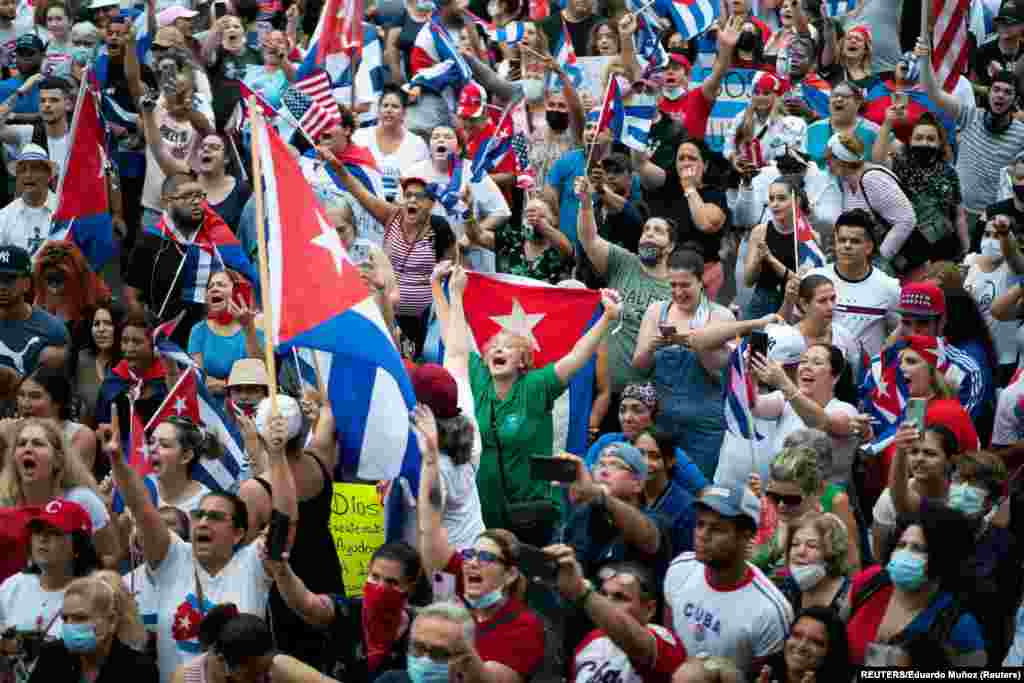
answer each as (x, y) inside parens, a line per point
(138, 457)
(82, 189)
(312, 278)
(552, 318)
(182, 401)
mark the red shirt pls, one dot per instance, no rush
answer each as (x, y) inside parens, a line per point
(14, 539)
(599, 659)
(863, 625)
(944, 411)
(518, 643)
(692, 110)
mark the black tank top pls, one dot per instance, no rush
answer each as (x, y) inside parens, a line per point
(314, 559)
(781, 247)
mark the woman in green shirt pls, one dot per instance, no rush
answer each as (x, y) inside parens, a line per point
(513, 411)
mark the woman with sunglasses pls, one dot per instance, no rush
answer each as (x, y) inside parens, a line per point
(190, 578)
(510, 636)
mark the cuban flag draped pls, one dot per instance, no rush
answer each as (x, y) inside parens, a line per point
(884, 391)
(690, 17)
(211, 250)
(811, 255)
(334, 312)
(83, 208)
(738, 395)
(434, 49)
(552, 319)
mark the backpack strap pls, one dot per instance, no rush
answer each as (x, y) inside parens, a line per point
(873, 585)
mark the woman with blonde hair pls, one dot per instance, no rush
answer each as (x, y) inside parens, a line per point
(39, 468)
(853, 60)
(127, 620)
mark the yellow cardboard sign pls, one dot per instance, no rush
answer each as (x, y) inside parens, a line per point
(357, 525)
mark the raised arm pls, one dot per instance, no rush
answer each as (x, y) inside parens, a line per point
(596, 247)
(156, 537)
(882, 149)
(728, 36)
(627, 29)
(456, 333)
(904, 498)
(381, 210)
(132, 68)
(807, 408)
(155, 141)
(943, 99)
(434, 547)
(283, 496)
(312, 608)
(572, 362)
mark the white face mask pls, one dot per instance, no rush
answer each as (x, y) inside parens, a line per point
(424, 5)
(533, 88)
(674, 93)
(807, 576)
(992, 248)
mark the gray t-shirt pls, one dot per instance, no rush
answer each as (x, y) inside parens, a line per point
(983, 154)
(638, 290)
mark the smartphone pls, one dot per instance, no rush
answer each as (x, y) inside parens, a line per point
(359, 252)
(916, 408)
(535, 564)
(168, 77)
(277, 534)
(759, 343)
(552, 469)
(667, 330)
(220, 8)
(900, 99)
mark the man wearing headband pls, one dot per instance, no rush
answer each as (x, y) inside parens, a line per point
(989, 138)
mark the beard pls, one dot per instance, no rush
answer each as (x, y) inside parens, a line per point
(184, 221)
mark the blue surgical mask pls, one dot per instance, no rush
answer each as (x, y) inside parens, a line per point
(992, 247)
(807, 576)
(649, 254)
(426, 670)
(424, 5)
(906, 569)
(79, 638)
(486, 600)
(967, 498)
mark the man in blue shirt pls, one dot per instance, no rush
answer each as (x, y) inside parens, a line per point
(28, 56)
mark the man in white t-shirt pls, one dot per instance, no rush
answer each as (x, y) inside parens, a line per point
(25, 222)
(718, 603)
(53, 110)
(864, 294)
(191, 578)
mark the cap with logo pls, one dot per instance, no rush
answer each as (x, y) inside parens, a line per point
(15, 260)
(472, 101)
(732, 501)
(171, 14)
(921, 301)
(64, 515)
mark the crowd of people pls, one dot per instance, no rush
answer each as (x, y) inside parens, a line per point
(807, 420)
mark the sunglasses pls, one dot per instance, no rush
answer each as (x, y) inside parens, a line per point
(417, 196)
(212, 515)
(790, 500)
(483, 556)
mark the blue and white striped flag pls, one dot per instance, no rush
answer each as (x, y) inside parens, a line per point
(690, 17)
(637, 117)
(837, 8)
(509, 34)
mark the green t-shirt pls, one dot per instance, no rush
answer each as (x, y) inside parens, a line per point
(638, 290)
(524, 427)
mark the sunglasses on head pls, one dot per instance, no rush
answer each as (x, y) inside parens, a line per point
(790, 500)
(481, 556)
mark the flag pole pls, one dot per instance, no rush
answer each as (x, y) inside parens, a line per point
(748, 412)
(637, 12)
(796, 237)
(592, 145)
(259, 132)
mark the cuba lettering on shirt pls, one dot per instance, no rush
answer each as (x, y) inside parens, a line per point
(599, 660)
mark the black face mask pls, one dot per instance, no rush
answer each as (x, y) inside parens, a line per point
(790, 165)
(923, 155)
(557, 120)
(748, 42)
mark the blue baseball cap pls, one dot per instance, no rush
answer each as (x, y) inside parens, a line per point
(628, 454)
(732, 502)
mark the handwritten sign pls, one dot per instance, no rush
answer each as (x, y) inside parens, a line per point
(357, 525)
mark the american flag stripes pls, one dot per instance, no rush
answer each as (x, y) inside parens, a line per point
(312, 105)
(949, 40)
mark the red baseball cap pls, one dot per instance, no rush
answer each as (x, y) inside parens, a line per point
(922, 301)
(64, 515)
(681, 59)
(472, 101)
(767, 84)
(436, 387)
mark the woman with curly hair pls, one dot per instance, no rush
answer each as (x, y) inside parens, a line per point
(817, 573)
(65, 285)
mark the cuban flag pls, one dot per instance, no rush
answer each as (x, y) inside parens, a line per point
(334, 312)
(734, 98)
(211, 250)
(815, 93)
(450, 196)
(810, 253)
(435, 49)
(884, 392)
(337, 41)
(611, 113)
(690, 17)
(637, 117)
(509, 34)
(565, 55)
(648, 48)
(312, 368)
(83, 208)
(139, 460)
(369, 76)
(489, 154)
(738, 396)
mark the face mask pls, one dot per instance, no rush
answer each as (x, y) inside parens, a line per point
(807, 576)
(923, 155)
(493, 9)
(81, 54)
(748, 42)
(906, 569)
(528, 232)
(79, 637)
(426, 670)
(557, 120)
(486, 600)
(1018, 192)
(674, 93)
(533, 89)
(992, 248)
(648, 254)
(967, 498)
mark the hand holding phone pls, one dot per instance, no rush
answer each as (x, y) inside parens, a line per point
(220, 8)
(561, 470)
(537, 565)
(759, 343)
(277, 535)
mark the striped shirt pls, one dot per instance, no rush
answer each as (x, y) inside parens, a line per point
(413, 264)
(982, 154)
(885, 200)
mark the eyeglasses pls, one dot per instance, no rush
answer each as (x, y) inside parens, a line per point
(606, 573)
(483, 556)
(438, 654)
(614, 465)
(190, 197)
(417, 196)
(790, 500)
(199, 515)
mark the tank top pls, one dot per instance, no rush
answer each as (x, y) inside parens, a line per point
(314, 559)
(781, 247)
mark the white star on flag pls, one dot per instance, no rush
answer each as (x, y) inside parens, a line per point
(330, 240)
(179, 405)
(521, 323)
(184, 623)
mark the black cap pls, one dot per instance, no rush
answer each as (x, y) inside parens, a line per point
(1012, 12)
(29, 41)
(15, 260)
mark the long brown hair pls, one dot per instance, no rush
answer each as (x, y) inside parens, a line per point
(508, 542)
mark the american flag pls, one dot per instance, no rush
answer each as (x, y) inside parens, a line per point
(526, 175)
(949, 40)
(312, 116)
